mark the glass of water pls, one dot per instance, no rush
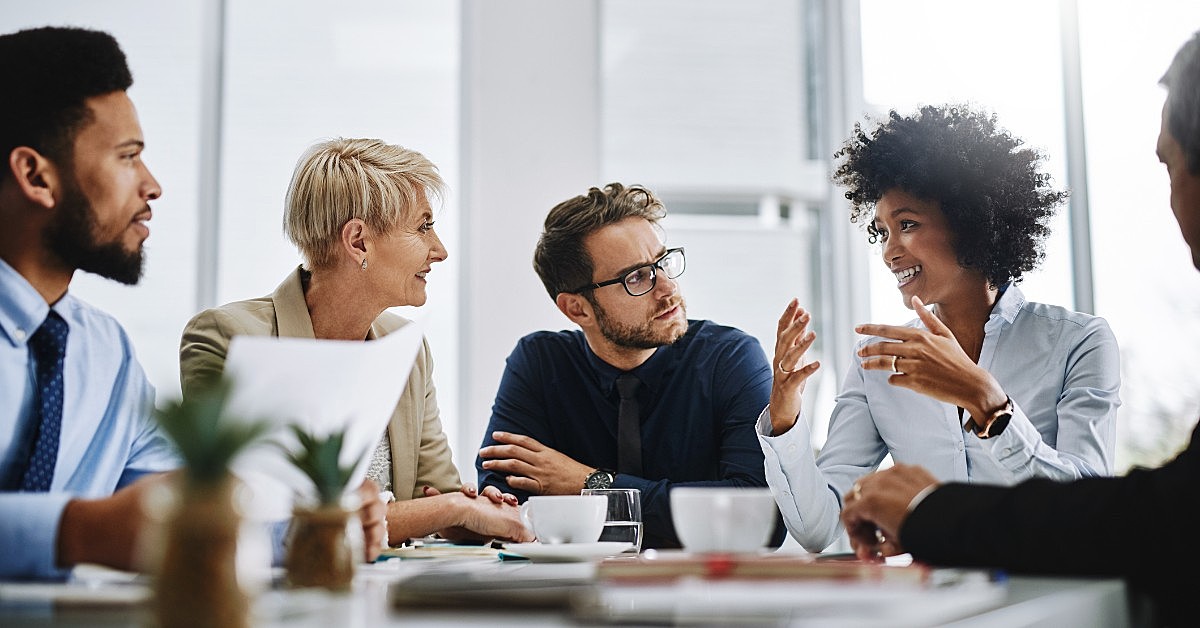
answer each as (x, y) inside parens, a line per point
(624, 520)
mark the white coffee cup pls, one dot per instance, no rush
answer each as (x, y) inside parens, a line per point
(565, 518)
(720, 519)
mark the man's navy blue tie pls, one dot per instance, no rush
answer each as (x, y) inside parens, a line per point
(49, 348)
(629, 427)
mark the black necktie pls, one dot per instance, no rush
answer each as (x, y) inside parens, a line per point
(48, 347)
(629, 427)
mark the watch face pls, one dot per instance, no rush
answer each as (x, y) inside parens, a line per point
(599, 479)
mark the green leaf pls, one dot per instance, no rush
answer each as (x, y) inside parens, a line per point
(207, 439)
(318, 458)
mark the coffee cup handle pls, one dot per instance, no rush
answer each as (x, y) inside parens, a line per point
(526, 517)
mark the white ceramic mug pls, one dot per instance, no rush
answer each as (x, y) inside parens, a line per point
(565, 518)
(720, 519)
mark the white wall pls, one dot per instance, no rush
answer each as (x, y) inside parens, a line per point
(530, 140)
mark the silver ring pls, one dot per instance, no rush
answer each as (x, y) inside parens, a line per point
(880, 539)
(783, 370)
(896, 359)
(856, 491)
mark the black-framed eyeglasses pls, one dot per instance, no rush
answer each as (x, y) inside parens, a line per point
(642, 279)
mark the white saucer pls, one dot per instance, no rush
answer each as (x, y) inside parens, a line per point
(566, 552)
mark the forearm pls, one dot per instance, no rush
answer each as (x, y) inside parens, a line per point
(420, 517)
(95, 531)
(809, 506)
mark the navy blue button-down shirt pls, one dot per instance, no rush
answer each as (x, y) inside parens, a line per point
(698, 402)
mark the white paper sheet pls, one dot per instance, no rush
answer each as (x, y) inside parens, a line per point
(322, 386)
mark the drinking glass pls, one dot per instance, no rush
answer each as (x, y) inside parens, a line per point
(624, 519)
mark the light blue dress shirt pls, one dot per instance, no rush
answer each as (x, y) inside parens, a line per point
(109, 437)
(1061, 369)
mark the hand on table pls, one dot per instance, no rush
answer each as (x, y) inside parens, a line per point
(105, 531)
(792, 340)
(875, 509)
(374, 522)
(468, 489)
(932, 363)
(482, 519)
(532, 466)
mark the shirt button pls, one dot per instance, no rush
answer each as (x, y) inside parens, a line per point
(791, 449)
(1007, 450)
(787, 494)
(20, 334)
(959, 445)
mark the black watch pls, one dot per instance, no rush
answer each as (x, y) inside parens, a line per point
(995, 424)
(600, 478)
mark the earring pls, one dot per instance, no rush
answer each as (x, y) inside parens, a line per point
(364, 264)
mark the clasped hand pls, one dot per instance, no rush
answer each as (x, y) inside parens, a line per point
(533, 467)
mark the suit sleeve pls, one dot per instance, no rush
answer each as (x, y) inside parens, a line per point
(203, 348)
(1093, 526)
(435, 465)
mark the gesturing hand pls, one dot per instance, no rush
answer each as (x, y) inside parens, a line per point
(792, 340)
(932, 363)
(532, 466)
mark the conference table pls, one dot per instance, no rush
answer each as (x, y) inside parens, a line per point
(488, 591)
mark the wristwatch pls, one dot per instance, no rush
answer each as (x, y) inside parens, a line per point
(600, 478)
(995, 424)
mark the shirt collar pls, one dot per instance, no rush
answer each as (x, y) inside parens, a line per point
(22, 308)
(650, 373)
(1008, 305)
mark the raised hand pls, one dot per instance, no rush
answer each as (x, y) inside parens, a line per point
(792, 340)
(931, 361)
(532, 466)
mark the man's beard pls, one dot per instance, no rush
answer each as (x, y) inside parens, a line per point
(640, 336)
(71, 235)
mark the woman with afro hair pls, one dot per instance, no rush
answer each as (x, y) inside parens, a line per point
(983, 386)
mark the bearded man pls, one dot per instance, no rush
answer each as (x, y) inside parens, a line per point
(639, 396)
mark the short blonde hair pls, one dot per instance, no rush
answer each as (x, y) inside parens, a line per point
(341, 179)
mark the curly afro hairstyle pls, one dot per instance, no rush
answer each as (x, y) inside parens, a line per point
(996, 202)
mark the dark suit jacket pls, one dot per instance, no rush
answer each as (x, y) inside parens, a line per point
(1144, 526)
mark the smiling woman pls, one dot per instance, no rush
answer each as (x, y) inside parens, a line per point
(985, 386)
(358, 210)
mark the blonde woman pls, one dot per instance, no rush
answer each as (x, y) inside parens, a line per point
(359, 211)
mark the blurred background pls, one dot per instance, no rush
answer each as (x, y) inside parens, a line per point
(731, 111)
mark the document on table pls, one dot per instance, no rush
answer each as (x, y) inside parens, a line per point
(321, 386)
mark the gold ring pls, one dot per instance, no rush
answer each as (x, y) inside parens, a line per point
(783, 370)
(856, 490)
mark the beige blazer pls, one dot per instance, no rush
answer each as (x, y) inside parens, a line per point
(420, 451)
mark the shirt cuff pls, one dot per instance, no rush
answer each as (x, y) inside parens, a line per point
(919, 497)
(29, 525)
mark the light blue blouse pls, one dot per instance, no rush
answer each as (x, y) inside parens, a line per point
(109, 437)
(1061, 369)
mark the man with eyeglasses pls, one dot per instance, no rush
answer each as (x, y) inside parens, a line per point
(637, 397)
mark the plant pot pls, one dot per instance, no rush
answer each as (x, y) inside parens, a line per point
(197, 583)
(319, 552)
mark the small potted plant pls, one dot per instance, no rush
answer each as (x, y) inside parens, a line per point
(319, 553)
(197, 584)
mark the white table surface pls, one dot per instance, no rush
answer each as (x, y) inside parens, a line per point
(98, 598)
